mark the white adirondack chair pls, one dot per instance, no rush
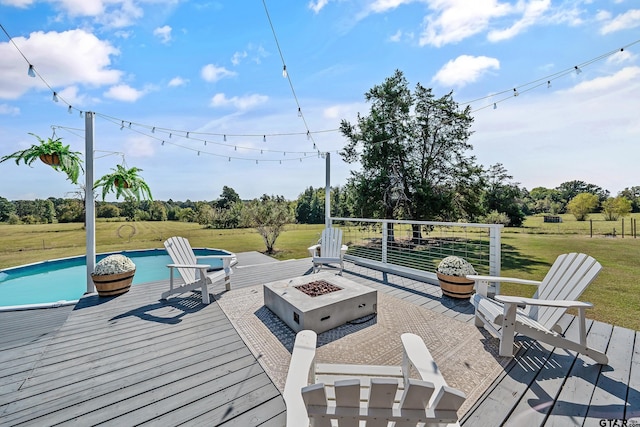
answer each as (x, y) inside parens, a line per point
(373, 395)
(195, 275)
(330, 250)
(568, 277)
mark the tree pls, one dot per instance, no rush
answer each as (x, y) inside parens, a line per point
(107, 210)
(614, 208)
(269, 216)
(129, 208)
(412, 149)
(503, 196)
(227, 198)
(632, 194)
(582, 204)
(157, 211)
(71, 211)
(6, 209)
(570, 189)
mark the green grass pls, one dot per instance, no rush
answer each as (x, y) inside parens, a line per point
(527, 253)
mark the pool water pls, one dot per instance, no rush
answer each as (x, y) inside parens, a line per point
(65, 279)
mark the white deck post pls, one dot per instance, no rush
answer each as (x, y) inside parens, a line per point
(327, 191)
(89, 202)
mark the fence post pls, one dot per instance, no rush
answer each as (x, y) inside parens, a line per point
(385, 237)
(623, 228)
(590, 228)
(495, 253)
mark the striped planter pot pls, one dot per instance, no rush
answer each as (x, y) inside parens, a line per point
(455, 287)
(109, 285)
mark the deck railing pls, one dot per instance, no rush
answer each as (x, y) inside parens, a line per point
(414, 248)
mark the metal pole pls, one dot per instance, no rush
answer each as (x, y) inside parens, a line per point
(89, 203)
(327, 192)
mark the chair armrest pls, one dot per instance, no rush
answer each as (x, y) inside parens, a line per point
(542, 302)
(503, 279)
(189, 266)
(313, 250)
(301, 364)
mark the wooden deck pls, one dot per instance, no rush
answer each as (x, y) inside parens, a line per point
(134, 360)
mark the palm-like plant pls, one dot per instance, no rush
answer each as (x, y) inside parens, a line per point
(53, 153)
(124, 182)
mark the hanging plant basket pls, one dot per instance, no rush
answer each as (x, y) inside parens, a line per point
(125, 184)
(50, 159)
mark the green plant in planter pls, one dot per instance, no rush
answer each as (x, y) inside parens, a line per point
(124, 182)
(52, 153)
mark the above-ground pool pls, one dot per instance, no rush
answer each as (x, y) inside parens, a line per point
(65, 279)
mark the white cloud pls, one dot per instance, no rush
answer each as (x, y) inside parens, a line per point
(318, 5)
(83, 7)
(8, 110)
(241, 103)
(618, 81)
(178, 81)
(381, 6)
(140, 146)
(17, 3)
(465, 69)
(532, 13)
(163, 33)
(71, 95)
(238, 56)
(629, 19)
(66, 58)
(212, 73)
(123, 92)
(455, 20)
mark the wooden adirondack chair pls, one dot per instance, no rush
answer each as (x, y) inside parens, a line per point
(375, 395)
(568, 277)
(195, 275)
(330, 250)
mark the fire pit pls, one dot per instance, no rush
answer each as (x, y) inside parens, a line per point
(319, 302)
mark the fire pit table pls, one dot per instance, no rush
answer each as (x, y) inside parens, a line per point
(319, 302)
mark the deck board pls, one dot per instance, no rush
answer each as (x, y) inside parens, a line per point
(136, 360)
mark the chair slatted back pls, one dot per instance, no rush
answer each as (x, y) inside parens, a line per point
(331, 243)
(180, 251)
(567, 279)
(382, 404)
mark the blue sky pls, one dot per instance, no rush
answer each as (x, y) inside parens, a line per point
(197, 71)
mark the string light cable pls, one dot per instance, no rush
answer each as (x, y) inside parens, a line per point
(287, 75)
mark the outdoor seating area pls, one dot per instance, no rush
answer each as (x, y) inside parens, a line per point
(136, 359)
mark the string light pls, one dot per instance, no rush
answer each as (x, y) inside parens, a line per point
(264, 138)
(299, 112)
(515, 92)
(548, 84)
(188, 135)
(284, 72)
(122, 125)
(80, 114)
(31, 72)
(70, 109)
(578, 70)
(55, 96)
(225, 138)
(153, 129)
(495, 106)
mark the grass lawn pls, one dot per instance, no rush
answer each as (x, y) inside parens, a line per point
(527, 252)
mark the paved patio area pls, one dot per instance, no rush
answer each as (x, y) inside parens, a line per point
(135, 360)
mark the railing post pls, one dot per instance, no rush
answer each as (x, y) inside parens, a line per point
(385, 238)
(494, 253)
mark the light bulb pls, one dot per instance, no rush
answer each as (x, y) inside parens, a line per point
(308, 135)
(205, 142)
(264, 138)
(515, 92)
(187, 134)
(578, 70)
(31, 72)
(495, 105)
(225, 138)
(80, 114)
(55, 96)
(299, 112)
(153, 129)
(162, 143)
(284, 71)
(548, 84)
(122, 125)
(70, 109)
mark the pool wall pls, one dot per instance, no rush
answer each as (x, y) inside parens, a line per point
(34, 294)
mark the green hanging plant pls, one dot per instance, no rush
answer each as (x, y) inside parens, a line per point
(124, 182)
(53, 153)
